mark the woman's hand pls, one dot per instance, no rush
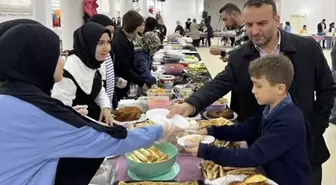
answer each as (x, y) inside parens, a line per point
(82, 109)
(107, 116)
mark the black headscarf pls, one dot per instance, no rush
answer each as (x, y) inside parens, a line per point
(4, 26)
(85, 42)
(28, 61)
(102, 20)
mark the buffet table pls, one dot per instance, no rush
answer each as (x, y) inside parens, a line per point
(189, 165)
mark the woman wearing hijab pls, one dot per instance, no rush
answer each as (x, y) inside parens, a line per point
(148, 44)
(39, 130)
(82, 84)
(107, 68)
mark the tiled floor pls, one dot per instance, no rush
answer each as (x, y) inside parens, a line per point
(215, 65)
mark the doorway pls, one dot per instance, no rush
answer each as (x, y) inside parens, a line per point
(297, 21)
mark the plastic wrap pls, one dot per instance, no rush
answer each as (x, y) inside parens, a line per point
(107, 173)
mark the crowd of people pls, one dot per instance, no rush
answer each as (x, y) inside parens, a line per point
(56, 121)
(46, 101)
(195, 29)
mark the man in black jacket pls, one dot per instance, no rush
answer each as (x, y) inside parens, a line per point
(312, 75)
(321, 30)
(123, 50)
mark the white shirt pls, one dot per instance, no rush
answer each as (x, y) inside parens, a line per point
(66, 89)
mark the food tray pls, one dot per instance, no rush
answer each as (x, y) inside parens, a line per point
(199, 182)
(167, 92)
(232, 178)
(235, 116)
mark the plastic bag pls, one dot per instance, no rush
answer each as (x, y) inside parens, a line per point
(107, 173)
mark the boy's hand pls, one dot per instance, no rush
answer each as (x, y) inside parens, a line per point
(192, 149)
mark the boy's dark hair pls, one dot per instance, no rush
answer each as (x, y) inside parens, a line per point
(131, 20)
(277, 69)
(229, 8)
(150, 24)
(259, 3)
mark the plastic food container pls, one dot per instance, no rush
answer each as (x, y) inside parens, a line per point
(144, 100)
(159, 104)
(163, 92)
(173, 69)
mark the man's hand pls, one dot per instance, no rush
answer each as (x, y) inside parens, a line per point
(184, 109)
(107, 115)
(215, 51)
(192, 149)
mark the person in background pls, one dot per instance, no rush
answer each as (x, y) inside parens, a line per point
(281, 27)
(233, 20)
(148, 44)
(141, 31)
(107, 68)
(161, 29)
(303, 30)
(123, 49)
(179, 28)
(313, 89)
(114, 21)
(194, 33)
(332, 118)
(202, 28)
(329, 35)
(187, 25)
(276, 135)
(26, 81)
(118, 22)
(288, 27)
(82, 85)
(209, 32)
(321, 30)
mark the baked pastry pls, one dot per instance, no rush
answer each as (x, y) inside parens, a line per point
(236, 183)
(256, 178)
(128, 114)
(226, 113)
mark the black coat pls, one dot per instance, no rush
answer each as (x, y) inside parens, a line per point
(180, 29)
(312, 74)
(321, 27)
(124, 65)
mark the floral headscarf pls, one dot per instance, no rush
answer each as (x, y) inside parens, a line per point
(150, 42)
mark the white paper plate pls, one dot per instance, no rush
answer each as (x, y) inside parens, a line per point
(235, 116)
(127, 124)
(159, 116)
(231, 178)
(207, 140)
